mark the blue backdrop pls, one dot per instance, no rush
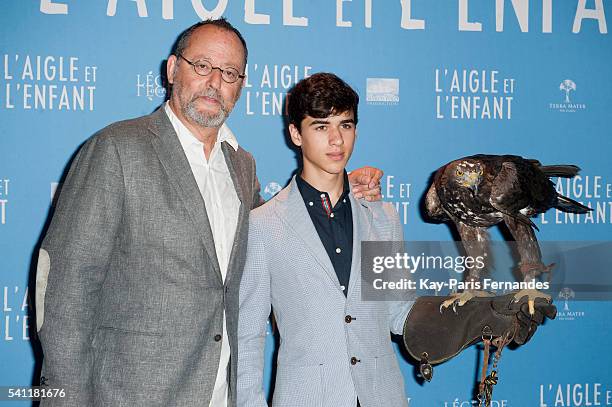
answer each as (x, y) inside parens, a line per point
(438, 79)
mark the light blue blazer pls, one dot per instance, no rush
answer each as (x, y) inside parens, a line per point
(323, 360)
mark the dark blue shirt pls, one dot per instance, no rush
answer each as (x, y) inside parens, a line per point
(334, 226)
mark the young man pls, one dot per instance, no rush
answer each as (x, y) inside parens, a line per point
(303, 260)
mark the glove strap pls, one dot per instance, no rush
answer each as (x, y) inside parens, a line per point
(485, 388)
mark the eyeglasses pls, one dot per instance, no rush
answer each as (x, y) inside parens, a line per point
(204, 68)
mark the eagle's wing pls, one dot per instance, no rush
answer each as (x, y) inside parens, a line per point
(534, 162)
(433, 205)
(508, 195)
(475, 241)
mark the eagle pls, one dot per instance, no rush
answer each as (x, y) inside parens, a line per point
(480, 191)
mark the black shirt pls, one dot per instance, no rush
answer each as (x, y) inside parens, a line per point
(333, 225)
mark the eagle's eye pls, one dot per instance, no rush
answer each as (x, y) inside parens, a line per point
(459, 172)
(481, 171)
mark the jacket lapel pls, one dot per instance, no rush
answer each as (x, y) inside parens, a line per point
(293, 211)
(362, 224)
(171, 155)
(240, 179)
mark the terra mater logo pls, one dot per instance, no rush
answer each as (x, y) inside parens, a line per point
(567, 314)
(567, 87)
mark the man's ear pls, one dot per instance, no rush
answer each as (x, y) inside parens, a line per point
(170, 68)
(296, 137)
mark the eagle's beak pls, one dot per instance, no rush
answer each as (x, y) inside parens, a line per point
(473, 182)
(475, 189)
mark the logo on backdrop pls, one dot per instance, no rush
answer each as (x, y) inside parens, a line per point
(266, 87)
(382, 91)
(45, 82)
(567, 313)
(397, 191)
(15, 307)
(575, 394)
(471, 403)
(150, 86)
(272, 189)
(590, 190)
(4, 192)
(567, 86)
(567, 89)
(471, 94)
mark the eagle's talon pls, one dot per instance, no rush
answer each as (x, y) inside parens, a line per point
(460, 299)
(453, 298)
(531, 295)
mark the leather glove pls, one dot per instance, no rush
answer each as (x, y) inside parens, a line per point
(526, 322)
(442, 334)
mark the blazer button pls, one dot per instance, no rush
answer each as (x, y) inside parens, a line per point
(217, 338)
(348, 319)
(354, 360)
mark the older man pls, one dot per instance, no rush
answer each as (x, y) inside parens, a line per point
(138, 275)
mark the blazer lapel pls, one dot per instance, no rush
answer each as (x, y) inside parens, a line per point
(237, 172)
(362, 224)
(171, 154)
(293, 211)
(240, 178)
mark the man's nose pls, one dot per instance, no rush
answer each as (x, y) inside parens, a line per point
(215, 78)
(335, 137)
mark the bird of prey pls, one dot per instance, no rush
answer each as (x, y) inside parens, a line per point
(480, 191)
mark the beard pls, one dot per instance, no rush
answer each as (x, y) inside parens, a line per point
(189, 108)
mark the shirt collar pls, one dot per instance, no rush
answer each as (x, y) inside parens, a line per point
(311, 194)
(187, 138)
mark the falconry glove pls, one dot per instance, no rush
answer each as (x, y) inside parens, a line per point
(526, 323)
(434, 335)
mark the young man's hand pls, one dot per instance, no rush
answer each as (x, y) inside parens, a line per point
(365, 183)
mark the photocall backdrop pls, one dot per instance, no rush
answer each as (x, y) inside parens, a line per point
(438, 80)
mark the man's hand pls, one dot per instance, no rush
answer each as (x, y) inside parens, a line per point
(365, 183)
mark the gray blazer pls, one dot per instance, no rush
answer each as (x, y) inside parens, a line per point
(130, 296)
(288, 269)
